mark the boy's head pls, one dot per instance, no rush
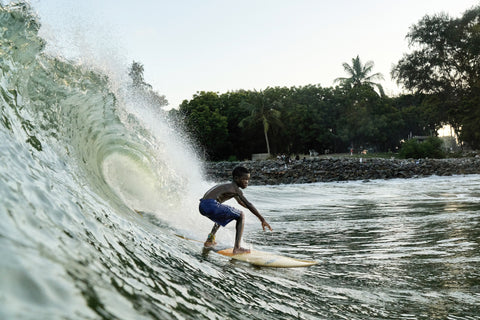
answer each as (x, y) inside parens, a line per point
(239, 171)
(241, 176)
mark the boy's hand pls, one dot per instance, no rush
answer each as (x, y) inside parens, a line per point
(266, 225)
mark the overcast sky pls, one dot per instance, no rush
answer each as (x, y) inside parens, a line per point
(219, 45)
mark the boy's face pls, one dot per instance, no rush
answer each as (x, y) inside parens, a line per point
(242, 181)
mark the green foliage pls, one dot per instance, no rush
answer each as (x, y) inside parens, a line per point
(445, 67)
(206, 124)
(144, 90)
(359, 75)
(309, 116)
(369, 121)
(469, 130)
(294, 120)
(416, 114)
(136, 74)
(262, 109)
(430, 148)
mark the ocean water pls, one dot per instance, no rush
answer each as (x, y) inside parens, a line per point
(78, 153)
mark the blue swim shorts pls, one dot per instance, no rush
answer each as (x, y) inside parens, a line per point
(217, 212)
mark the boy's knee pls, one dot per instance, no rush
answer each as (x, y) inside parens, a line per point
(241, 216)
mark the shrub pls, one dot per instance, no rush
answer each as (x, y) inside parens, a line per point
(430, 148)
(232, 158)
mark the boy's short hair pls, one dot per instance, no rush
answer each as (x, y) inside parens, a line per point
(239, 171)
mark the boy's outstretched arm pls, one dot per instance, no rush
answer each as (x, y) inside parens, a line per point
(266, 225)
(244, 202)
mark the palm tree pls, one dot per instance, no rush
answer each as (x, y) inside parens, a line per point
(261, 111)
(359, 75)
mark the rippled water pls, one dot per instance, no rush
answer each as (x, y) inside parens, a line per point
(389, 249)
(78, 154)
(398, 249)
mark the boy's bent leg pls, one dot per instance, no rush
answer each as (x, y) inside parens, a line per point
(211, 236)
(238, 235)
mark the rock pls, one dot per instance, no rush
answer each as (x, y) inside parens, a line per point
(271, 172)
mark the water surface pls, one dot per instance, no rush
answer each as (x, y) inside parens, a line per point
(78, 153)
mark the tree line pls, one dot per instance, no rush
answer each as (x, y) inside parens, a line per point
(441, 74)
(296, 120)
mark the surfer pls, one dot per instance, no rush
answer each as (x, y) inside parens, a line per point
(211, 206)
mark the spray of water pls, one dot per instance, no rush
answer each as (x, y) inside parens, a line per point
(151, 166)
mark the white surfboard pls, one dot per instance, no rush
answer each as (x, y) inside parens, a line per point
(260, 258)
(267, 259)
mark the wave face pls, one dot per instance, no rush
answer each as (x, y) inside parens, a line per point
(78, 153)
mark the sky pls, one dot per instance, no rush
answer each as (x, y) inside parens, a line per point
(188, 46)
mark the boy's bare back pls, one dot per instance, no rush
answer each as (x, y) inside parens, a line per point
(224, 192)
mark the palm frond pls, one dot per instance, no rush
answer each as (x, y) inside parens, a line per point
(360, 74)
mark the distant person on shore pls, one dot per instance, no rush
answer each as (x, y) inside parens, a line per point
(211, 206)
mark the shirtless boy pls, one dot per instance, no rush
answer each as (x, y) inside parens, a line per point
(211, 206)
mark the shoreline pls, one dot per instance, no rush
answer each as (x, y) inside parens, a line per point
(275, 172)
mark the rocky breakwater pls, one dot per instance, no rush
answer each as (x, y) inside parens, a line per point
(271, 172)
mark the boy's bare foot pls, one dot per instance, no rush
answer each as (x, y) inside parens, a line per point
(241, 250)
(210, 241)
(209, 244)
